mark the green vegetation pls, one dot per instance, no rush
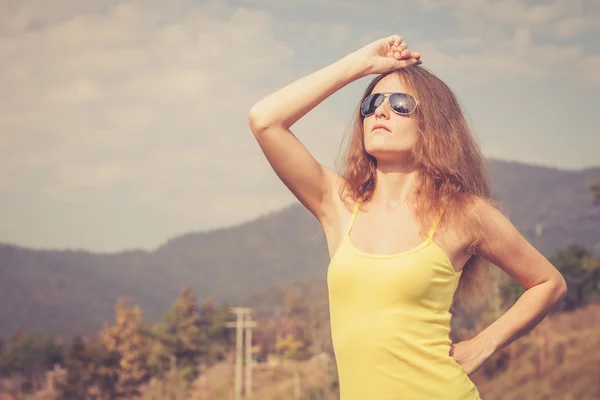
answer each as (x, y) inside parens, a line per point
(124, 356)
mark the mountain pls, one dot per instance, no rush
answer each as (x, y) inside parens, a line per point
(555, 201)
(67, 291)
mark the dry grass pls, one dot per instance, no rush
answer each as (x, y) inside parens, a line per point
(558, 360)
(284, 379)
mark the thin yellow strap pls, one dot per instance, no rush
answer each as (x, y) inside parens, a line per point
(436, 223)
(354, 212)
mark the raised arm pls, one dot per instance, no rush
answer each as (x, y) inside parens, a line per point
(271, 118)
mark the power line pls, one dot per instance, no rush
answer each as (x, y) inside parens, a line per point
(243, 322)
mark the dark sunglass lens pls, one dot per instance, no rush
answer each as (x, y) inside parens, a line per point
(402, 103)
(370, 103)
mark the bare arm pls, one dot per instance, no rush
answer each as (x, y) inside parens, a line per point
(271, 118)
(504, 246)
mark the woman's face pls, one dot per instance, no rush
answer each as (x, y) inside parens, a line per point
(397, 138)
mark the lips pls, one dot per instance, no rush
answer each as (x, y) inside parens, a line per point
(380, 126)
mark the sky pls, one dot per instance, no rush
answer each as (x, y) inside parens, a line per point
(124, 123)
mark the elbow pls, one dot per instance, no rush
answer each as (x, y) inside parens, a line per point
(564, 288)
(257, 120)
(561, 287)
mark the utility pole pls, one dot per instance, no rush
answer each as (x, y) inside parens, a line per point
(243, 322)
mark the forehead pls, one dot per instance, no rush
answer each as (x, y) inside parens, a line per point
(391, 83)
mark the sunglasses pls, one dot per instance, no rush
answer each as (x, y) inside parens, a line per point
(400, 103)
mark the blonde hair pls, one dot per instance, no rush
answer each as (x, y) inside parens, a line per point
(451, 171)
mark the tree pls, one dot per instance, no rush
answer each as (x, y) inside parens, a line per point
(289, 347)
(293, 336)
(583, 279)
(127, 339)
(190, 335)
(183, 333)
(212, 321)
(29, 356)
(89, 367)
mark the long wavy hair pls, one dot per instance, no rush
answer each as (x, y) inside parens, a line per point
(451, 169)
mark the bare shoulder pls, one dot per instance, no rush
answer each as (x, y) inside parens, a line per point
(480, 215)
(496, 232)
(504, 246)
(490, 219)
(459, 234)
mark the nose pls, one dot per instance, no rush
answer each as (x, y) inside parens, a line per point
(383, 110)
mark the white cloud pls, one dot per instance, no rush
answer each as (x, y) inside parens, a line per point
(150, 96)
(147, 105)
(310, 4)
(115, 104)
(518, 13)
(126, 71)
(330, 34)
(561, 18)
(514, 57)
(574, 26)
(591, 70)
(515, 38)
(511, 12)
(570, 27)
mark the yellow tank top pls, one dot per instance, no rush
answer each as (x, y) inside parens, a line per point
(390, 323)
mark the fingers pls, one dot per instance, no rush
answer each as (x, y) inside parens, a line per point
(400, 50)
(395, 40)
(404, 53)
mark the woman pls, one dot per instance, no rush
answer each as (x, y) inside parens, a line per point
(407, 219)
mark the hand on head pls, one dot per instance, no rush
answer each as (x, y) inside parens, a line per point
(387, 54)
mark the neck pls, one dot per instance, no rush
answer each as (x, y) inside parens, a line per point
(395, 184)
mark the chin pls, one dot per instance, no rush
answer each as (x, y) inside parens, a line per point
(386, 148)
(387, 153)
